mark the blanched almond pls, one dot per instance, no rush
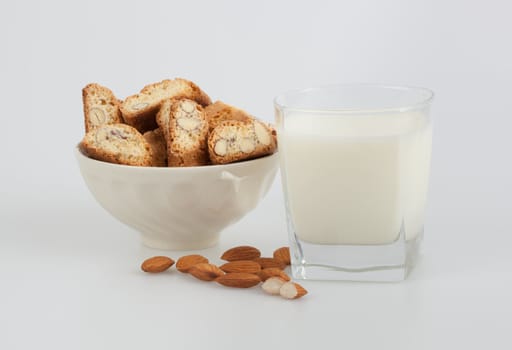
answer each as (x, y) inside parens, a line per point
(292, 290)
(273, 285)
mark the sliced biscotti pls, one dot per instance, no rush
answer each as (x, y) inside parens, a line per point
(219, 111)
(117, 143)
(156, 140)
(185, 128)
(140, 110)
(234, 140)
(100, 106)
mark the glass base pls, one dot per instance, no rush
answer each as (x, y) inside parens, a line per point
(377, 263)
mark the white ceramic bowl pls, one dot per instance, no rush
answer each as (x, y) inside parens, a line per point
(179, 208)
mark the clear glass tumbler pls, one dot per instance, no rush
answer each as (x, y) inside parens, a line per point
(355, 163)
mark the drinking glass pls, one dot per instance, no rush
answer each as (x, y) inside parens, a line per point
(354, 164)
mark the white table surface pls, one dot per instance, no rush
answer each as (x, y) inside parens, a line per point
(70, 274)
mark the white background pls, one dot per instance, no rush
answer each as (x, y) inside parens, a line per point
(69, 273)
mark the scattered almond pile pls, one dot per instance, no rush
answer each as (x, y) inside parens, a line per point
(245, 268)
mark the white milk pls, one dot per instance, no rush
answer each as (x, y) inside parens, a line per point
(355, 179)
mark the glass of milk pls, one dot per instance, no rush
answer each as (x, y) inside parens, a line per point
(355, 164)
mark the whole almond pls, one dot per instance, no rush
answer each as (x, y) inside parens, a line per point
(273, 285)
(244, 252)
(186, 262)
(266, 263)
(157, 264)
(292, 290)
(265, 274)
(238, 280)
(283, 254)
(205, 271)
(247, 266)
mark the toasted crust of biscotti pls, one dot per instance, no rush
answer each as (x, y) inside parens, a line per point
(140, 110)
(185, 129)
(234, 140)
(100, 106)
(117, 143)
(219, 111)
(156, 140)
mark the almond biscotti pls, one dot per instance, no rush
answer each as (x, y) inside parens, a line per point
(156, 140)
(117, 143)
(234, 140)
(219, 111)
(185, 128)
(140, 110)
(100, 106)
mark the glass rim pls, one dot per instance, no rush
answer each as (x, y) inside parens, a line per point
(402, 108)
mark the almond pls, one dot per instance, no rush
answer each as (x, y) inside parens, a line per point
(97, 116)
(266, 263)
(238, 280)
(221, 147)
(205, 271)
(241, 253)
(186, 262)
(292, 290)
(247, 266)
(157, 264)
(283, 254)
(262, 133)
(273, 285)
(139, 106)
(265, 274)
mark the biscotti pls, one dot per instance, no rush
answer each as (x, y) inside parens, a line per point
(156, 140)
(234, 140)
(117, 143)
(100, 106)
(185, 128)
(140, 110)
(219, 111)
(170, 123)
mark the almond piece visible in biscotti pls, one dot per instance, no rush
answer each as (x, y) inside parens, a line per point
(100, 106)
(140, 110)
(156, 140)
(185, 129)
(234, 140)
(219, 111)
(117, 143)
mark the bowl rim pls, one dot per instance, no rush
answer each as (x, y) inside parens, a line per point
(80, 155)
